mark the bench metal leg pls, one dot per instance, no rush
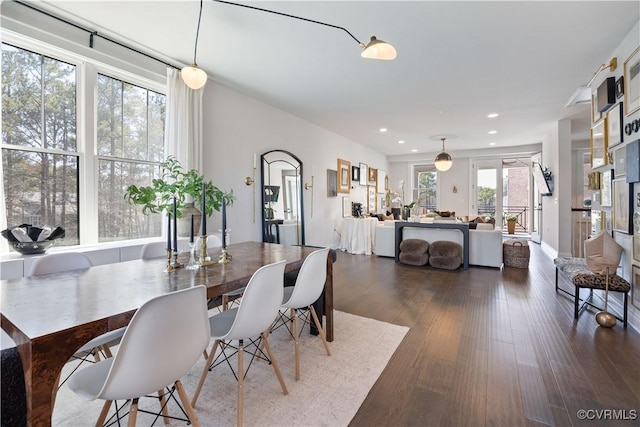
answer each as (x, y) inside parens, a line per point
(576, 303)
(626, 300)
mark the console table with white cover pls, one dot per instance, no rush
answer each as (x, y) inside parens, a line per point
(358, 235)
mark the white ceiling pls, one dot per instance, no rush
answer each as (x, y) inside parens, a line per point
(457, 61)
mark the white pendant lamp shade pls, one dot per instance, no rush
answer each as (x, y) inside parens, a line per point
(378, 49)
(193, 76)
(443, 160)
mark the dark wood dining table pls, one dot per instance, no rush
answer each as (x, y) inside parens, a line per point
(49, 317)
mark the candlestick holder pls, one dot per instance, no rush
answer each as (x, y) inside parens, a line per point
(170, 266)
(225, 257)
(176, 264)
(192, 265)
(204, 259)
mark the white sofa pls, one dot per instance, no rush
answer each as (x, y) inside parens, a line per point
(485, 246)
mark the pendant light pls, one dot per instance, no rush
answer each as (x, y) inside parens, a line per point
(443, 160)
(378, 49)
(193, 76)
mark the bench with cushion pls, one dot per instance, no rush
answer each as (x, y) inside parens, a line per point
(577, 271)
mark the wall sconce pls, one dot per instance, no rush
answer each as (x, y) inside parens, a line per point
(454, 189)
(308, 186)
(250, 180)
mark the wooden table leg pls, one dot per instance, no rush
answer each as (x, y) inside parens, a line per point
(328, 299)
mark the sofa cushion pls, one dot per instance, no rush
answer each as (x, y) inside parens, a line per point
(414, 246)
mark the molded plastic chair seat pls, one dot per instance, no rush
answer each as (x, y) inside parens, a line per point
(249, 321)
(161, 344)
(299, 301)
(154, 250)
(59, 262)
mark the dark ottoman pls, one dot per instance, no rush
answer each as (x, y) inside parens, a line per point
(414, 252)
(445, 254)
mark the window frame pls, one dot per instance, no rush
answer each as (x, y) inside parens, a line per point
(87, 70)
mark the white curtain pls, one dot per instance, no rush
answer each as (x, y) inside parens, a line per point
(183, 122)
(4, 246)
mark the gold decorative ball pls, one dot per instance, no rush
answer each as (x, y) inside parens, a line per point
(606, 319)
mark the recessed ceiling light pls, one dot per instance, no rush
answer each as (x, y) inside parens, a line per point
(401, 141)
(492, 115)
(415, 150)
(493, 132)
(492, 143)
(383, 129)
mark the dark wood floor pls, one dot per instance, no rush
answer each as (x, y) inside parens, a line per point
(488, 347)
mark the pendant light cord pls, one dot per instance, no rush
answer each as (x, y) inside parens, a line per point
(195, 48)
(290, 16)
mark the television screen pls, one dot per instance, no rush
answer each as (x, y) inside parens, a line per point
(543, 179)
(271, 193)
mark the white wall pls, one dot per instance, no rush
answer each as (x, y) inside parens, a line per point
(237, 126)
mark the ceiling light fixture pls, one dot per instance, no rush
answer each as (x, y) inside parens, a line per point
(493, 132)
(492, 115)
(383, 129)
(193, 76)
(375, 49)
(401, 141)
(443, 160)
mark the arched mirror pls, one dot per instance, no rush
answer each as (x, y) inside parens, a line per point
(282, 207)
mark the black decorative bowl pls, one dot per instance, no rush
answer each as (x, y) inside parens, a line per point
(32, 248)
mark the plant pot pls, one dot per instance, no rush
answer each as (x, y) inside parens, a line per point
(184, 222)
(406, 213)
(511, 227)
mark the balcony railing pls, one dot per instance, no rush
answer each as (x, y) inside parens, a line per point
(520, 212)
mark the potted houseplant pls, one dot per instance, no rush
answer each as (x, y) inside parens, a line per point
(184, 186)
(511, 223)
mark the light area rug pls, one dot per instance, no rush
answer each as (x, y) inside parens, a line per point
(329, 392)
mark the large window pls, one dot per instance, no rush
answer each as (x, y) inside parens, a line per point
(425, 187)
(130, 145)
(45, 157)
(39, 144)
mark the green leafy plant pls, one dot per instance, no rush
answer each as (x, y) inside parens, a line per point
(175, 182)
(510, 218)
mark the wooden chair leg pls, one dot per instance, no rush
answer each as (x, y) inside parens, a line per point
(103, 414)
(191, 413)
(133, 413)
(320, 330)
(163, 405)
(240, 382)
(107, 351)
(274, 362)
(204, 373)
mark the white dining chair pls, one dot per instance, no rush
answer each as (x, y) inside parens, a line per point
(60, 262)
(161, 344)
(153, 250)
(249, 321)
(298, 301)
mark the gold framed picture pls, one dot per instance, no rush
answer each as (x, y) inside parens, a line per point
(373, 176)
(344, 176)
(599, 144)
(632, 83)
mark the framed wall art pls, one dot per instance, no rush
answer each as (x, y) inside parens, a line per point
(635, 276)
(619, 166)
(605, 189)
(373, 176)
(364, 174)
(332, 183)
(372, 199)
(614, 125)
(596, 222)
(632, 83)
(382, 179)
(620, 87)
(344, 176)
(594, 180)
(606, 221)
(346, 207)
(621, 206)
(595, 114)
(355, 174)
(599, 144)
